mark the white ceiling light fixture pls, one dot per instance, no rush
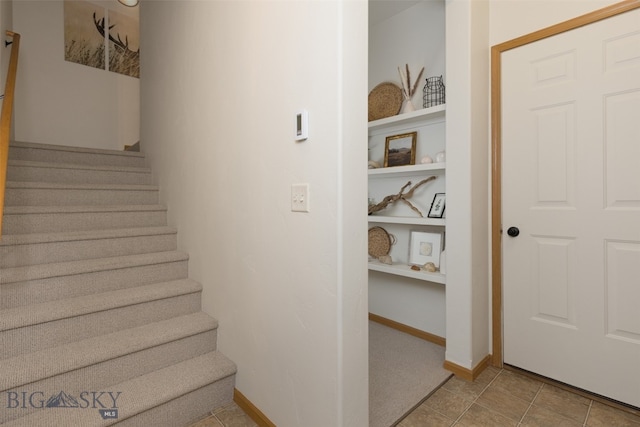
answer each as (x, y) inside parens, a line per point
(130, 3)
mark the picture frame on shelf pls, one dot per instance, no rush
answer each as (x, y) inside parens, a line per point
(425, 247)
(400, 150)
(437, 206)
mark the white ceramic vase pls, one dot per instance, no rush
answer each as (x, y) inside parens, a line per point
(408, 105)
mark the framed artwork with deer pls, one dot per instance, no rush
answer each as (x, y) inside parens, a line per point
(101, 38)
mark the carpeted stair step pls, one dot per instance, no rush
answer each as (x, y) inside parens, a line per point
(28, 249)
(64, 154)
(22, 170)
(63, 194)
(53, 219)
(102, 362)
(59, 322)
(188, 392)
(20, 286)
(183, 393)
(95, 297)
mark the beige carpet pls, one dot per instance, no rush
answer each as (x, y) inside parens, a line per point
(95, 298)
(403, 371)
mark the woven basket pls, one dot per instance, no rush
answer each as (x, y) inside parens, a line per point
(385, 100)
(380, 242)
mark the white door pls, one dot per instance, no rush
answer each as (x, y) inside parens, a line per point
(571, 185)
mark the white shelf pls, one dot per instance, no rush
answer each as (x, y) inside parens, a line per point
(412, 170)
(406, 271)
(440, 222)
(422, 115)
(407, 120)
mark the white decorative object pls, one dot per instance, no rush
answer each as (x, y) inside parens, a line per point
(430, 267)
(443, 262)
(425, 247)
(426, 160)
(386, 259)
(373, 164)
(437, 206)
(440, 157)
(408, 105)
(407, 89)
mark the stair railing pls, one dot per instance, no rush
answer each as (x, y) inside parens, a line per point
(5, 118)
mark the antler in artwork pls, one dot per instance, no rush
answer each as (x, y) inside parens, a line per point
(123, 46)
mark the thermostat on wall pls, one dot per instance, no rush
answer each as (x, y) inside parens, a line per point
(302, 125)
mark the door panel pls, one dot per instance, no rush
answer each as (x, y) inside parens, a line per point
(571, 184)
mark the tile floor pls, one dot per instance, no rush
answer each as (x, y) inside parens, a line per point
(227, 416)
(496, 398)
(501, 397)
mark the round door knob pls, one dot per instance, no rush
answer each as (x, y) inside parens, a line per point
(513, 231)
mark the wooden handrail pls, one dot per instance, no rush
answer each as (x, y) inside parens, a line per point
(5, 118)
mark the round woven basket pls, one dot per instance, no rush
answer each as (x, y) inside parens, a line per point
(385, 100)
(380, 242)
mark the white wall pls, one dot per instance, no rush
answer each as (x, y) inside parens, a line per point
(479, 183)
(60, 102)
(5, 24)
(467, 307)
(511, 19)
(219, 93)
(415, 37)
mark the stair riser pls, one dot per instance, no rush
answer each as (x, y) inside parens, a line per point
(40, 253)
(37, 291)
(187, 409)
(56, 155)
(73, 197)
(101, 376)
(64, 331)
(178, 395)
(82, 221)
(76, 176)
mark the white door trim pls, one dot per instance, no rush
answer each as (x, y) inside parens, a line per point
(496, 151)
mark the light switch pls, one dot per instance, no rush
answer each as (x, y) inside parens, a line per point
(300, 198)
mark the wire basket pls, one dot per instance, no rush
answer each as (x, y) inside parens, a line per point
(433, 92)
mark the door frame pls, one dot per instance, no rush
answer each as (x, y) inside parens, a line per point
(496, 152)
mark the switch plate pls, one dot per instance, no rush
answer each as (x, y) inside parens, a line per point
(299, 197)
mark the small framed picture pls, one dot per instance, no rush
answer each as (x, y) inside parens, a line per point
(437, 206)
(425, 247)
(400, 150)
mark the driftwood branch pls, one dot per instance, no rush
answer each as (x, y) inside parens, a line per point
(401, 196)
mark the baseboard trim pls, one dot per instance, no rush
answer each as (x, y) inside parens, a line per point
(465, 373)
(251, 410)
(408, 330)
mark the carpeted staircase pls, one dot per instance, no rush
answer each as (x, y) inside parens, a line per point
(98, 318)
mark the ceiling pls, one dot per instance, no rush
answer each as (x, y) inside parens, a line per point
(379, 10)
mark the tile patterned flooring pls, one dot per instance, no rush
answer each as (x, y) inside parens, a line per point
(501, 397)
(496, 398)
(227, 416)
